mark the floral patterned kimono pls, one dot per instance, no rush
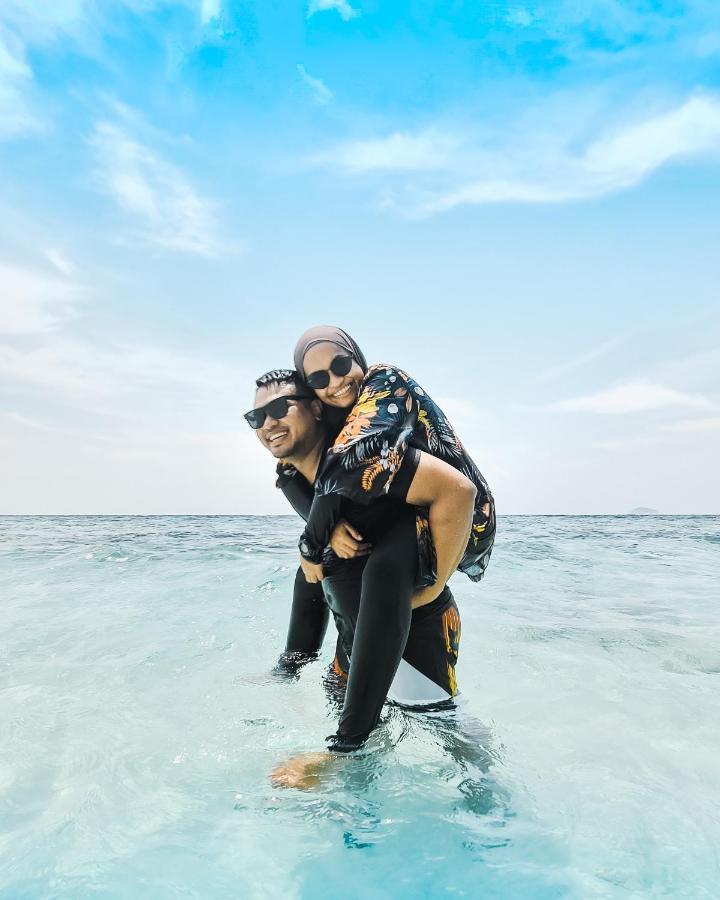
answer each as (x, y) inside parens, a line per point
(376, 453)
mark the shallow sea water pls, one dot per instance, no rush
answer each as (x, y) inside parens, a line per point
(138, 724)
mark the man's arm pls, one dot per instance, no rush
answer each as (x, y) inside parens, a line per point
(450, 497)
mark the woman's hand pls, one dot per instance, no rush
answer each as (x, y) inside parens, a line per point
(347, 542)
(313, 572)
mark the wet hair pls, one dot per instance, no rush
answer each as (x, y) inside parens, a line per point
(280, 376)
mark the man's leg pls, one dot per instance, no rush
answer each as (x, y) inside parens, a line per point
(308, 623)
(431, 653)
(428, 663)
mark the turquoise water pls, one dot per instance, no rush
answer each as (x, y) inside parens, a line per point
(138, 726)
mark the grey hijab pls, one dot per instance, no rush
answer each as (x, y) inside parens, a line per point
(326, 334)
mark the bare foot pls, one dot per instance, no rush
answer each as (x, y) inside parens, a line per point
(303, 771)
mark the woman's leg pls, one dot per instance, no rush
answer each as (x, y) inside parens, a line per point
(381, 630)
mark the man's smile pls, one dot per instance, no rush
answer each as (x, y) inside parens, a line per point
(276, 436)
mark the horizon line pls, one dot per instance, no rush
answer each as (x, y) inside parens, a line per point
(295, 516)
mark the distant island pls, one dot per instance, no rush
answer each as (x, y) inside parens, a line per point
(643, 511)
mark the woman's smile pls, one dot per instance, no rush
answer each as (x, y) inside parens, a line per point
(346, 392)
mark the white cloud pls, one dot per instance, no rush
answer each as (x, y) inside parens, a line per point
(36, 23)
(695, 426)
(78, 367)
(140, 469)
(628, 155)
(632, 397)
(31, 303)
(156, 193)
(12, 63)
(209, 10)
(346, 11)
(398, 152)
(609, 164)
(322, 92)
(16, 115)
(61, 367)
(60, 261)
(520, 16)
(537, 163)
(113, 415)
(27, 423)
(131, 427)
(460, 413)
(40, 23)
(582, 359)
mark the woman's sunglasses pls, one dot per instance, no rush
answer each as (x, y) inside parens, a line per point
(341, 365)
(276, 409)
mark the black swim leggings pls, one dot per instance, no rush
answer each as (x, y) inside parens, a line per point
(374, 631)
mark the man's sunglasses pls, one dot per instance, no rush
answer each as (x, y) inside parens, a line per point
(341, 365)
(276, 409)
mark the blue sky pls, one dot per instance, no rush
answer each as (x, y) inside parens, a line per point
(517, 202)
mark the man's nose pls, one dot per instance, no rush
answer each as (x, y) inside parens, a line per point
(268, 423)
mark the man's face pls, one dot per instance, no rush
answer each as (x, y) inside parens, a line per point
(293, 434)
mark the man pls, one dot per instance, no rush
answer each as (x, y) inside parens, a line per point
(370, 595)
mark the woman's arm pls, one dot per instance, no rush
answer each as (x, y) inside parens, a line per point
(450, 497)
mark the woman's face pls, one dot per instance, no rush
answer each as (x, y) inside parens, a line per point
(342, 390)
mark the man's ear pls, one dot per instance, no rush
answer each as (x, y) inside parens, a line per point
(316, 407)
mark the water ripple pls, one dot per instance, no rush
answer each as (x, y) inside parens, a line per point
(140, 720)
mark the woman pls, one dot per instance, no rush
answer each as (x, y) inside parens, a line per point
(389, 419)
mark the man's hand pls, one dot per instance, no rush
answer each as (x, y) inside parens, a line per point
(347, 542)
(303, 771)
(313, 572)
